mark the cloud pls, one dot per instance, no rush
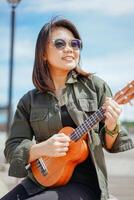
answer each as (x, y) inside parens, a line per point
(23, 44)
(24, 50)
(22, 81)
(117, 69)
(4, 42)
(108, 7)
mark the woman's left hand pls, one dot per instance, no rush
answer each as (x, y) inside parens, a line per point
(112, 113)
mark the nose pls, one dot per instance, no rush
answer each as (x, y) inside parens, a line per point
(68, 48)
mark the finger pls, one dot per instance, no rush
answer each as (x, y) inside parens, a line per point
(61, 154)
(113, 109)
(115, 106)
(111, 117)
(61, 144)
(108, 98)
(110, 113)
(62, 150)
(111, 104)
(62, 137)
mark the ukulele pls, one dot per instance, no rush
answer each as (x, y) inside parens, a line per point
(57, 171)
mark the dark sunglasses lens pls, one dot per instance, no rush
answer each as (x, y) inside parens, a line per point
(59, 43)
(76, 44)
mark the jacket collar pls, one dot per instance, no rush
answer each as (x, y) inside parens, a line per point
(72, 77)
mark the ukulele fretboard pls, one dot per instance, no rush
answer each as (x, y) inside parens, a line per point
(88, 124)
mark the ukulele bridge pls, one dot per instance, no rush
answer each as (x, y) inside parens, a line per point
(41, 166)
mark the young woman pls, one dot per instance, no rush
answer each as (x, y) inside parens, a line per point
(64, 95)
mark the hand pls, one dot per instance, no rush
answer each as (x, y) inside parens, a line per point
(55, 146)
(112, 113)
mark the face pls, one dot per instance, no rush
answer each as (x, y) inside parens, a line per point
(62, 58)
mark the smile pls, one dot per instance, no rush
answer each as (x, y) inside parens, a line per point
(68, 58)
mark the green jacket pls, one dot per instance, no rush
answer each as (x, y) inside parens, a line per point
(38, 117)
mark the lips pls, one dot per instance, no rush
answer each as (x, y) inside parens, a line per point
(68, 58)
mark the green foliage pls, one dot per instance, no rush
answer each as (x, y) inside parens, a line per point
(128, 124)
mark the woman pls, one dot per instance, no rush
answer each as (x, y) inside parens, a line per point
(64, 95)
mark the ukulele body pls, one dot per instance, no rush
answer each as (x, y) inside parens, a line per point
(59, 169)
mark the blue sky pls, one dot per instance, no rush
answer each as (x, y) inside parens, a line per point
(107, 30)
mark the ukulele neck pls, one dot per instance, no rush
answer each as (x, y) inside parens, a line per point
(88, 124)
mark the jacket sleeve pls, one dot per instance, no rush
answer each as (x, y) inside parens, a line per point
(123, 142)
(20, 140)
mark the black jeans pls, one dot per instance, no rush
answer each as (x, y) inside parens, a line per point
(71, 191)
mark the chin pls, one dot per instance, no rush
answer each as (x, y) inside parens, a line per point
(70, 66)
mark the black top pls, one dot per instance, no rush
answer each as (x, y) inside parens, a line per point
(84, 172)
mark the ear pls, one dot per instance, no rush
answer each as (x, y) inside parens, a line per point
(44, 57)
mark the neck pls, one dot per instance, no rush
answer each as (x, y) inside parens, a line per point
(59, 79)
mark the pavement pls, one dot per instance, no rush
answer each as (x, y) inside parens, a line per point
(120, 168)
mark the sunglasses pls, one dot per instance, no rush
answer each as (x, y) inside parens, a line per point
(75, 44)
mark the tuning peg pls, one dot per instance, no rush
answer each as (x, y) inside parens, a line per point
(130, 85)
(125, 97)
(130, 103)
(121, 92)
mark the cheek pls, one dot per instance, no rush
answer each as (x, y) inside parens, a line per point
(77, 56)
(54, 58)
(52, 55)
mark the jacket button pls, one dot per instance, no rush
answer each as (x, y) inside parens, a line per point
(56, 108)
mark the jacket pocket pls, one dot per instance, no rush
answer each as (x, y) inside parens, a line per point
(89, 106)
(39, 123)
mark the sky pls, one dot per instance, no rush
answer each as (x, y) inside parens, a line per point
(106, 28)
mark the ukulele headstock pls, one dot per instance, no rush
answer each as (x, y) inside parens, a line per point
(125, 95)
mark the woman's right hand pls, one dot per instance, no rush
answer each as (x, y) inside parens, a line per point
(55, 146)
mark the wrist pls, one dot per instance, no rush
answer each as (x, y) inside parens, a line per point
(112, 132)
(35, 152)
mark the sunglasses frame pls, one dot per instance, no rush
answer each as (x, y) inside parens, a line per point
(69, 42)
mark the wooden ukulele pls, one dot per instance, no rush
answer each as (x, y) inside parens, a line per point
(56, 171)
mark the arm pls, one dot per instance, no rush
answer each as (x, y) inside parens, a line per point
(20, 149)
(20, 140)
(119, 141)
(112, 113)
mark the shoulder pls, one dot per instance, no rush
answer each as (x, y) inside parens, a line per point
(94, 81)
(101, 86)
(28, 95)
(34, 98)
(98, 82)
(26, 100)
(98, 86)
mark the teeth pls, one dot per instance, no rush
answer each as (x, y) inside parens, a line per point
(68, 58)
